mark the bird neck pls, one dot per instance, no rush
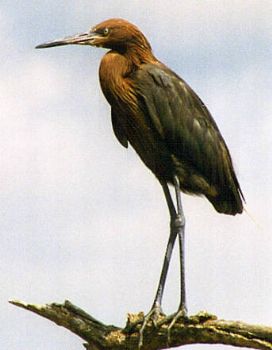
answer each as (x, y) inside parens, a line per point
(139, 54)
(115, 73)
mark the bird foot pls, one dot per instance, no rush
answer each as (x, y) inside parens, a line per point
(181, 315)
(140, 322)
(153, 315)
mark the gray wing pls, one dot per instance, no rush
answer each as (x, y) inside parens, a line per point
(185, 124)
(181, 119)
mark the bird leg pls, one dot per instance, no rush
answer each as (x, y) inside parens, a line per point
(181, 234)
(177, 229)
(180, 227)
(177, 224)
(170, 245)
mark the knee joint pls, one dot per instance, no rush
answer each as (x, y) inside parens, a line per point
(178, 222)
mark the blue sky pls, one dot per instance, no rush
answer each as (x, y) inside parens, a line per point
(81, 217)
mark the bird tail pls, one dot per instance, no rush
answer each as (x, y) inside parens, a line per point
(227, 206)
(229, 201)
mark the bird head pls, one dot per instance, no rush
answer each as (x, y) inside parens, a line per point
(116, 34)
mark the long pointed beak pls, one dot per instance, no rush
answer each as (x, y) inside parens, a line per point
(78, 39)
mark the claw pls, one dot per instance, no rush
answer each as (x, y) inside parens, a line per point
(173, 319)
(153, 315)
(180, 314)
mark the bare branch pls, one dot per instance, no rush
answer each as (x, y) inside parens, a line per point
(201, 328)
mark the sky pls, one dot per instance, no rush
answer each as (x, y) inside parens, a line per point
(81, 218)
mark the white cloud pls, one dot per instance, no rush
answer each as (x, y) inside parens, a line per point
(77, 208)
(184, 22)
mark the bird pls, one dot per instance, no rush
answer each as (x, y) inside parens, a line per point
(157, 113)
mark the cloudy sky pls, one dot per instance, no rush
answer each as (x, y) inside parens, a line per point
(81, 218)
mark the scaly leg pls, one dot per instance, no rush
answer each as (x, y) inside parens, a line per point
(181, 234)
(169, 249)
(182, 310)
(176, 228)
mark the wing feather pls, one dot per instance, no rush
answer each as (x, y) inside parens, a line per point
(182, 120)
(118, 128)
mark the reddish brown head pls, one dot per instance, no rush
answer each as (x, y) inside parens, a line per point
(116, 34)
(119, 34)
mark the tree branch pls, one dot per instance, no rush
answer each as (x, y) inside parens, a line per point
(201, 328)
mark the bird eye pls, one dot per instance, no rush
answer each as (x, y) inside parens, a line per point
(106, 31)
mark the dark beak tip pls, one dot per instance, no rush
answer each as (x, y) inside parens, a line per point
(79, 39)
(50, 44)
(53, 43)
(44, 46)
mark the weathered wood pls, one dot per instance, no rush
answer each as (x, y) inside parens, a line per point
(200, 328)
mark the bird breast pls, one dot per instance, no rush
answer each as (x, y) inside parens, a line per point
(114, 73)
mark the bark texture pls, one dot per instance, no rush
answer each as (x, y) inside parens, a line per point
(201, 328)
